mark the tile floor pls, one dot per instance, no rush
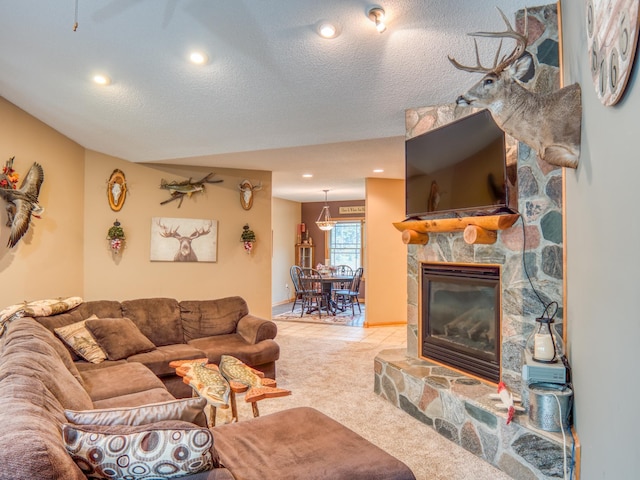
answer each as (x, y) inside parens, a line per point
(385, 336)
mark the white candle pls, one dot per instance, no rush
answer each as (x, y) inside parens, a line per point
(543, 347)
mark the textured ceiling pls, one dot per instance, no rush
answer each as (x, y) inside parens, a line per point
(273, 96)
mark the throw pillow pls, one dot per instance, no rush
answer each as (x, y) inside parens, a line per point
(166, 449)
(119, 337)
(79, 338)
(185, 409)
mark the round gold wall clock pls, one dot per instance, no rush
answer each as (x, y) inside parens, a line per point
(612, 31)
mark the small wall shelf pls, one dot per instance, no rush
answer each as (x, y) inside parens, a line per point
(477, 230)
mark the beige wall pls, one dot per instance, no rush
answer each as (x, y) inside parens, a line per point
(47, 261)
(132, 275)
(386, 255)
(286, 216)
(602, 266)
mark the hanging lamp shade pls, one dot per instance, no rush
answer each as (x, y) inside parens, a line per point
(324, 221)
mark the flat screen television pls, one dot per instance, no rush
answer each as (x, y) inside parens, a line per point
(460, 169)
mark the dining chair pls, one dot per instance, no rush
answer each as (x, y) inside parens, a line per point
(343, 271)
(296, 272)
(313, 295)
(346, 297)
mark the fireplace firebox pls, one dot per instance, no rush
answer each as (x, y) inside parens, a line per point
(460, 324)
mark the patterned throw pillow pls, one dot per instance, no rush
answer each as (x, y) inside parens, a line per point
(79, 338)
(166, 449)
(185, 409)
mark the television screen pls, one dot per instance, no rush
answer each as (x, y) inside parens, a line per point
(458, 169)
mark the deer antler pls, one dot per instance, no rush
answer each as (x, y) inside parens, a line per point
(521, 44)
(167, 232)
(199, 232)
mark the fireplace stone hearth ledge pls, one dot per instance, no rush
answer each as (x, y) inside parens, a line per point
(459, 408)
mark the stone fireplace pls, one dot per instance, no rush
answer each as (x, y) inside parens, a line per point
(529, 257)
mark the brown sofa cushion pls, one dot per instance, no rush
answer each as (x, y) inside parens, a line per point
(187, 409)
(29, 356)
(158, 360)
(205, 318)
(118, 380)
(135, 399)
(234, 344)
(167, 449)
(157, 318)
(119, 337)
(303, 443)
(30, 442)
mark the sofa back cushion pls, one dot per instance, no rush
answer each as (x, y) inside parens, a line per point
(157, 318)
(27, 354)
(207, 318)
(31, 445)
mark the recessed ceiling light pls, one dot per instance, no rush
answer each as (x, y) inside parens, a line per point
(101, 79)
(307, 175)
(198, 58)
(327, 30)
(378, 170)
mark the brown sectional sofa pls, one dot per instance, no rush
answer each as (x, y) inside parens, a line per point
(40, 382)
(184, 330)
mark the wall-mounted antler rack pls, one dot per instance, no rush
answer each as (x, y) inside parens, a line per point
(477, 230)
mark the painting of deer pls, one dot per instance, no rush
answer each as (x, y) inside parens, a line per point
(549, 123)
(165, 232)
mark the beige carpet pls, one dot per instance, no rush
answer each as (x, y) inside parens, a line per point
(336, 377)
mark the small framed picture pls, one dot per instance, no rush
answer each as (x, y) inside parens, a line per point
(183, 240)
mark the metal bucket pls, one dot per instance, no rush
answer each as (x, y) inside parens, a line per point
(550, 406)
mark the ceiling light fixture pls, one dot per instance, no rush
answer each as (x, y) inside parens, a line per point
(101, 79)
(324, 221)
(376, 15)
(307, 175)
(327, 30)
(198, 58)
(378, 170)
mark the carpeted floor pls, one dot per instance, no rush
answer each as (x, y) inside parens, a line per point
(336, 377)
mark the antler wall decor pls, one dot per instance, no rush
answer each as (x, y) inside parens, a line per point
(178, 190)
(246, 193)
(549, 123)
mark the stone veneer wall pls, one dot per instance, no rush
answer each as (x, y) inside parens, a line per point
(454, 404)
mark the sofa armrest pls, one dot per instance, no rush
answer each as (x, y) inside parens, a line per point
(255, 329)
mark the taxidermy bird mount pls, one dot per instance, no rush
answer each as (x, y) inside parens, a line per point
(22, 202)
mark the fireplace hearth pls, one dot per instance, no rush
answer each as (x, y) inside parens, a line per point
(460, 318)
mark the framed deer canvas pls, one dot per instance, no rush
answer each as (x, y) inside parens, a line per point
(183, 240)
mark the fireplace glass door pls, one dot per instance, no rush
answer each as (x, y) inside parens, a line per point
(461, 317)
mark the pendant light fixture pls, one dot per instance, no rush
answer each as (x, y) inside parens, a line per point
(324, 221)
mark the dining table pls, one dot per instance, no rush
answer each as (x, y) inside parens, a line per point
(328, 282)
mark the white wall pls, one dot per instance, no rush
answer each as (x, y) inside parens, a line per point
(603, 229)
(285, 217)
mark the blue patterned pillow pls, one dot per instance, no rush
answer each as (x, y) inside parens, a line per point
(167, 449)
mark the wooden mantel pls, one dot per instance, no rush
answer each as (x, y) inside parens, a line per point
(477, 230)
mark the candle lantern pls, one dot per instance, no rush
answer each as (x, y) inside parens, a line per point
(544, 343)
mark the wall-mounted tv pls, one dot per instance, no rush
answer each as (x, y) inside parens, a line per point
(459, 169)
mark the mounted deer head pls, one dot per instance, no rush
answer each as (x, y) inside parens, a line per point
(185, 252)
(549, 123)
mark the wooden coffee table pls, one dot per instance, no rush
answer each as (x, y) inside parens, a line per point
(253, 397)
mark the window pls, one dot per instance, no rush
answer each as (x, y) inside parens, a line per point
(345, 243)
